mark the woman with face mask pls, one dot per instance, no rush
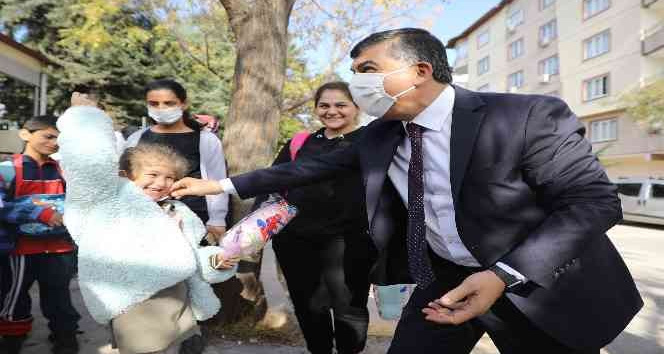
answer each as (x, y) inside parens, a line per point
(324, 251)
(167, 105)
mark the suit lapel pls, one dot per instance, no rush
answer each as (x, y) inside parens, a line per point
(382, 146)
(466, 121)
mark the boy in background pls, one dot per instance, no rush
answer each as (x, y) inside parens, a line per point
(46, 258)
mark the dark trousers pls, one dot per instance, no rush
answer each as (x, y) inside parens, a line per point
(53, 272)
(328, 274)
(510, 330)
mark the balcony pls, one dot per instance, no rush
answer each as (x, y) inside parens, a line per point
(460, 61)
(652, 41)
(655, 4)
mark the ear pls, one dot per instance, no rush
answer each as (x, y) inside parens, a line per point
(24, 134)
(424, 70)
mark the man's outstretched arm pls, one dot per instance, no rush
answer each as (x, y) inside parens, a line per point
(303, 171)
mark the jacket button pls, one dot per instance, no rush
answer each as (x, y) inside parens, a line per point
(368, 231)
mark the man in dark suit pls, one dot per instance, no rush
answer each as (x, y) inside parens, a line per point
(494, 204)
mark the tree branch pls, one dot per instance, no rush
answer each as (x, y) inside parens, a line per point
(186, 49)
(236, 10)
(327, 13)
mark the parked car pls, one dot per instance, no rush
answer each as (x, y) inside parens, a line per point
(642, 199)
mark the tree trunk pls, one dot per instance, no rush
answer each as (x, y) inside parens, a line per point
(251, 128)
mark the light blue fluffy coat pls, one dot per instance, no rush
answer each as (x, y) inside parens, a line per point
(129, 249)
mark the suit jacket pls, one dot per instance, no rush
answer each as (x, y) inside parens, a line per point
(527, 191)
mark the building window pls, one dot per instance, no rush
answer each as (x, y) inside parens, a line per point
(515, 49)
(543, 4)
(483, 66)
(515, 80)
(515, 18)
(629, 189)
(657, 190)
(597, 45)
(548, 32)
(462, 50)
(593, 7)
(549, 66)
(603, 130)
(483, 38)
(483, 88)
(596, 87)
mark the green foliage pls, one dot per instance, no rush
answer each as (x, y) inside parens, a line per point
(116, 47)
(17, 98)
(288, 126)
(646, 106)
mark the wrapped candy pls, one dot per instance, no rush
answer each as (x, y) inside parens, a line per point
(249, 235)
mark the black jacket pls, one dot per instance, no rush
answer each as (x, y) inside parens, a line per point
(331, 208)
(527, 191)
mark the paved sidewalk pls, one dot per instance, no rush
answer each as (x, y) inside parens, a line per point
(640, 246)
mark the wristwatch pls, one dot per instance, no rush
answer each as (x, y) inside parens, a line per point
(511, 282)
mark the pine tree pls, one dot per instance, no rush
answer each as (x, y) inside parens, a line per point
(114, 48)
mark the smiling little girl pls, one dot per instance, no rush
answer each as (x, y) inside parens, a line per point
(140, 265)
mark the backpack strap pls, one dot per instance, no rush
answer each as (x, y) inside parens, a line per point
(297, 142)
(18, 170)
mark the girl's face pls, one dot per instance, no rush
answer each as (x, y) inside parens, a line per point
(155, 179)
(336, 110)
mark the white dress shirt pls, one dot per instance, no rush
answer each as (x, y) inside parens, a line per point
(441, 228)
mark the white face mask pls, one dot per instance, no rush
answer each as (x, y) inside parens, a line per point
(165, 116)
(368, 90)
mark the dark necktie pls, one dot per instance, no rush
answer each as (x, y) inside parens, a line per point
(419, 263)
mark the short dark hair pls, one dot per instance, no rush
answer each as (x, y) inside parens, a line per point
(40, 123)
(412, 44)
(334, 85)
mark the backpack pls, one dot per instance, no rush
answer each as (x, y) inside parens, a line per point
(297, 142)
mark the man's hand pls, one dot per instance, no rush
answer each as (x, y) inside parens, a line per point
(195, 186)
(472, 298)
(55, 220)
(217, 232)
(82, 99)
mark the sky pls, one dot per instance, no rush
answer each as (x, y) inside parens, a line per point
(457, 15)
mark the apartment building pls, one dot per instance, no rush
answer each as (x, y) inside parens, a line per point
(587, 52)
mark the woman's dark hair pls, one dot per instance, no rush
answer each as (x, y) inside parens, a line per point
(334, 85)
(180, 92)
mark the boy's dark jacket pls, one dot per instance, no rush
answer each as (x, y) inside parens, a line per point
(33, 179)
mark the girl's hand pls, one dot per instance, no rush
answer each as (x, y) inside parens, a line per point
(219, 262)
(82, 99)
(216, 232)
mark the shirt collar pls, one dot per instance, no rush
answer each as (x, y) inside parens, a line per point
(438, 112)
